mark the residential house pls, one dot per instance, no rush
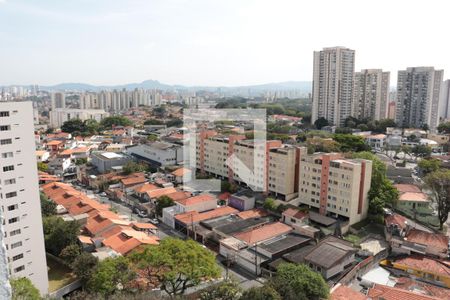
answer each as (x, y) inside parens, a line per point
(293, 216)
(412, 201)
(42, 155)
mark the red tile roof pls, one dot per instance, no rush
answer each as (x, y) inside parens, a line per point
(181, 171)
(121, 243)
(253, 213)
(263, 233)
(395, 219)
(160, 192)
(295, 213)
(436, 240)
(342, 292)
(197, 199)
(416, 197)
(134, 179)
(425, 264)
(145, 187)
(177, 196)
(407, 188)
(195, 217)
(383, 292)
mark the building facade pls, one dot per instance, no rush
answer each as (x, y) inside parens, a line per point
(333, 84)
(335, 186)
(274, 172)
(61, 115)
(58, 100)
(370, 94)
(19, 191)
(444, 101)
(418, 91)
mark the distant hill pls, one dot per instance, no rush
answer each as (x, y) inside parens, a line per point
(304, 86)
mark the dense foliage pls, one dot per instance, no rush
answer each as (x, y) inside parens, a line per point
(59, 234)
(23, 289)
(163, 202)
(439, 184)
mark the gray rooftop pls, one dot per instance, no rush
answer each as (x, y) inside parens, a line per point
(329, 252)
(242, 225)
(284, 243)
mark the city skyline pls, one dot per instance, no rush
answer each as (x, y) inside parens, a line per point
(204, 43)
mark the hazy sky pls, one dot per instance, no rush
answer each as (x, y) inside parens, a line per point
(207, 42)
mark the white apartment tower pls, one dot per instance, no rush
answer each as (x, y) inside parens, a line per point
(370, 94)
(333, 84)
(58, 100)
(418, 91)
(19, 193)
(444, 101)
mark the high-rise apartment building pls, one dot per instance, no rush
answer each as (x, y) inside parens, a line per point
(61, 115)
(370, 94)
(444, 101)
(58, 100)
(335, 186)
(333, 84)
(19, 194)
(418, 91)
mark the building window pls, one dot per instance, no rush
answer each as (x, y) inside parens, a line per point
(13, 220)
(8, 168)
(7, 154)
(10, 181)
(4, 113)
(10, 195)
(16, 245)
(17, 257)
(13, 207)
(5, 127)
(15, 232)
(5, 141)
(18, 269)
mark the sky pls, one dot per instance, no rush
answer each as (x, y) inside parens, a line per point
(212, 42)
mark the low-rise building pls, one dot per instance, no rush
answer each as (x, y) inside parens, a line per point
(42, 155)
(157, 154)
(376, 142)
(108, 161)
(412, 201)
(335, 186)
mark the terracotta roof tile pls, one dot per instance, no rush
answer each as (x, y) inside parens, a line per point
(405, 188)
(342, 292)
(253, 213)
(197, 199)
(425, 264)
(195, 217)
(383, 292)
(263, 233)
(160, 192)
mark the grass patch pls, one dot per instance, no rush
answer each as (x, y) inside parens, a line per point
(353, 238)
(58, 275)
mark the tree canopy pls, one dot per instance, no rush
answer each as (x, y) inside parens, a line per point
(176, 264)
(264, 292)
(351, 143)
(444, 128)
(48, 207)
(43, 167)
(84, 266)
(429, 165)
(108, 122)
(226, 290)
(163, 202)
(439, 184)
(382, 192)
(321, 122)
(133, 167)
(299, 281)
(111, 275)
(59, 234)
(23, 288)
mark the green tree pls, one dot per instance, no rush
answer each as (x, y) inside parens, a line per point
(59, 234)
(23, 289)
(73, 125)
(153, 122)
(111, 275)
(70, 253)
(270, 204)
(133, 167)
(421, 151)
(226, 290)
(429, 165)
(152, 137)
(90, 127)
(176, 122)
(43, 167)
(48, 207)
(301, 281)
(381, 192)
(84, 266)
(439, 184)
(321, 122)
(260, 293)
(109, 122)
(176, 264)
(81, 161)
(351, 143)
(163, 202)
(444, 128)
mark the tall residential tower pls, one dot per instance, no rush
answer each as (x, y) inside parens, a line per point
(370, 94)
(333, 84)
(19, 194)
(418, 91)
